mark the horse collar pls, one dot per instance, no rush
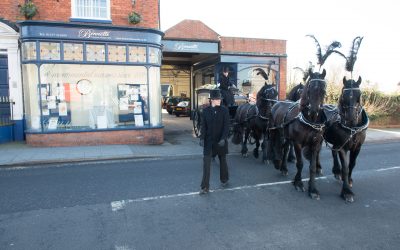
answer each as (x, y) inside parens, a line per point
(316, 126)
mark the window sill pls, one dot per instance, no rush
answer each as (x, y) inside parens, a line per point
(84, 20)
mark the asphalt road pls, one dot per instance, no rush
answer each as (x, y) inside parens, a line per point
(155, 205)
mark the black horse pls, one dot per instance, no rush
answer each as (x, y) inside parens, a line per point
(294, 95)
(254, 119)
(303, 124)
(346, 131)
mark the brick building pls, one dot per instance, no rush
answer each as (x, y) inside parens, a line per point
(89, 76)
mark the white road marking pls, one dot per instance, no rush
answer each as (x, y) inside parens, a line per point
(386, 131)
(384, 169)
(119, 205)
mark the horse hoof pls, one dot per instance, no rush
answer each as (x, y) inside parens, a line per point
(319, 173)
(245, 155)
(284, 172)
(338, 177)
(298, 185)
(315, 196)
(292, 160)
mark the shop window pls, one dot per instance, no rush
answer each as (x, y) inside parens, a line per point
(154, 55)
(249, 81)
(29, 51)
(87, 97)
(116, 53)
(91, 9)
(137, 54)
(95, 53)
(49, 51)
(73, 52)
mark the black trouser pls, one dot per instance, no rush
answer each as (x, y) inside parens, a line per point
(223, 170)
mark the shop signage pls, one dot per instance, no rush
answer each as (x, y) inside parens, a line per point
(190, 47)
(89, 34)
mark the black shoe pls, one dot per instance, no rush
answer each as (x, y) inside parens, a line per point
(204, 191)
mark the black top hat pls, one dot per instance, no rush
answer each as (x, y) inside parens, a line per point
(215, 94)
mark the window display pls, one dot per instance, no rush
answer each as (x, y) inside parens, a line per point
(72, 97)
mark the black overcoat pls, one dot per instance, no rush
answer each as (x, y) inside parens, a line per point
(224, 82)
(214, 127)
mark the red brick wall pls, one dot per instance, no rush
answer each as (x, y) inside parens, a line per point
(146, 136)
(253, 45)
(60, 10)
(282, 77)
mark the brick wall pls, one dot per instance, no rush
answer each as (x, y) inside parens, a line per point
(60, 10)
(252, 45)
(145, 136)
(283, 77)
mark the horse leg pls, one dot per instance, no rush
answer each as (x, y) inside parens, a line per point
(297, 182)
(319, 167)
(291, 156)
(244, 143)
(336, 166)
(312, 189)
(284, 169)
(346, 192)
(255, 150)
(352, 163)
(264, 148)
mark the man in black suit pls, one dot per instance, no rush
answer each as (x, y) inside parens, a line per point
(213, 137)
(224, 85)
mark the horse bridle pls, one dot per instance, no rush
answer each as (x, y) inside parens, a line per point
(308, 88)
(357, 108)
(266, 93)
(353, 130)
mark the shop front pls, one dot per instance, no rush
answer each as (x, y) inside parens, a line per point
(91, 85)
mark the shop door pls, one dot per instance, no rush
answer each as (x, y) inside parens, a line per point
(6, 123)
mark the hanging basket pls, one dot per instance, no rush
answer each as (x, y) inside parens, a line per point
(134, 18)
(28, 10)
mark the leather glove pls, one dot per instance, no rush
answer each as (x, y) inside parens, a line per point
(201, 143)
(221, 143)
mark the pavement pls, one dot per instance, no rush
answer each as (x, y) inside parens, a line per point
(179, 141)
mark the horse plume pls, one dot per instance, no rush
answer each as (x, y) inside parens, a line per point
(263, 73)
(352, 58)
(329, 50)
(306, 73)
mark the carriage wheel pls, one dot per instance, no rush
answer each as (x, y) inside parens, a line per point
(196, 123)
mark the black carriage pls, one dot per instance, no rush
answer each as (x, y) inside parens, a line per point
(201, 101)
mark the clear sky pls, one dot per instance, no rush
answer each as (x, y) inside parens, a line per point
(342, 20)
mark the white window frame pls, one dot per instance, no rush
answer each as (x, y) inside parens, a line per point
(74, 11)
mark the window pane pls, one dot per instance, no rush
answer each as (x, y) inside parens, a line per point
(95, 52)
(155, 55)
(73, 52)
(116, 53)
(49, 51)
(137, 54)
(97, 9)
(29, 51)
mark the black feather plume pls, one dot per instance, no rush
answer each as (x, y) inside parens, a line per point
(262, 72)
(329, 50)
(353, 54)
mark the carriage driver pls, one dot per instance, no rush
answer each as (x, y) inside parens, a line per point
(213, 139)
(224, 85)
